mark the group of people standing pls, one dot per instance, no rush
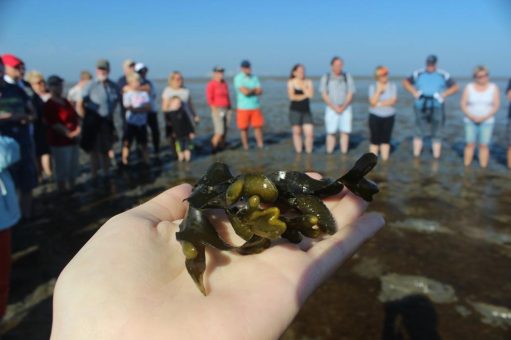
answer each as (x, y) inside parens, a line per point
(429, 86)
(41, 129)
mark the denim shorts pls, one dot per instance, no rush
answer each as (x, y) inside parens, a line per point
(478, 133)
(335, 122)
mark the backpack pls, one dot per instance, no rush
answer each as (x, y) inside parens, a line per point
(344, 78)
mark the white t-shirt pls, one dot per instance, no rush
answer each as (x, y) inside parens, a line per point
(135, 99)
(480, 103)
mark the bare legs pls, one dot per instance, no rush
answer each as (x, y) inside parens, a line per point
(383, 149)
(468, 154)
(258, 134)
(95, 159)
(484, 155)
(344, 140)
(46, 165)
(330, 143)
(417, 148)
(244, 138)
(297, 138)
(308, 132)
(509, 157)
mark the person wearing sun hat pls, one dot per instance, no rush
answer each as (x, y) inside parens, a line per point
(382, 101)
(99, 100)
(430, 86)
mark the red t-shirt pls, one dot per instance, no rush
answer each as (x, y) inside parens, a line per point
(55, 113)
(217, 94)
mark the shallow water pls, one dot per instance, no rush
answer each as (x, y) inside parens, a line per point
(448, 231)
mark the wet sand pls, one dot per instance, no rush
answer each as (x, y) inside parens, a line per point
(440, 268)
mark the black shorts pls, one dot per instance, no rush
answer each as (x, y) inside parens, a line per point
(380, 129)
(183, 143)
(132, 132)
(300, 118)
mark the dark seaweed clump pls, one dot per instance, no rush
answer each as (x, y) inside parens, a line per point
(263, 208)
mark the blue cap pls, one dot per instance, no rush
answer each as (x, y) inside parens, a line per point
(245, 64)
(431, 59)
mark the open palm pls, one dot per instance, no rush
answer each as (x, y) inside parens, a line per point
(129, 281)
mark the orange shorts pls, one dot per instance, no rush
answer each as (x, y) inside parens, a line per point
(246, 118)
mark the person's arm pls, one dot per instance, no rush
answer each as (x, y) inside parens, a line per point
(145, 88)
(258, 90)
(509, 91)
(452, 89)
(210, 95)
(292, 95)
(495, 105)
(324, 94)
(140, 277)
(309, 89)
(349, 96)
(464, 105)
(141, 109)
(393, 99)
(408, 85)
(196, 117)
(374, 94)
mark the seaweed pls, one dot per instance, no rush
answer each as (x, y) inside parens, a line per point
(262, 208)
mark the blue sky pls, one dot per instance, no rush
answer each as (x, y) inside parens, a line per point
(65, 37)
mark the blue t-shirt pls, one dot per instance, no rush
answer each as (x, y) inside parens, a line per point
(430, 83)
(251, 82)
(9, 208)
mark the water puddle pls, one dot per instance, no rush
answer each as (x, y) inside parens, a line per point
(396, 286)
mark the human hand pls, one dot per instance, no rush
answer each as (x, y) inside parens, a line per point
(340, 109)
(5, 115)
(417, 94)
(75, 133)
(129, 281)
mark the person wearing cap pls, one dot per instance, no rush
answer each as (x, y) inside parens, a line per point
(75, 93)
(15, 72)
(15, 116)
(430, 87)
(217, 97)
(382, 101)
(42, 149)
(152, 113)
(63, 131)
(248, 90)
(337, 89)
(99, 100)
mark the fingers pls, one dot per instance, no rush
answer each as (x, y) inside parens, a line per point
(348, 209)
(167, 206)
(330, 253)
